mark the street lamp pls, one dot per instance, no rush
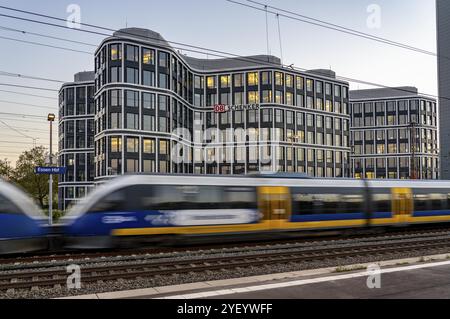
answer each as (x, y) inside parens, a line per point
(51, 118)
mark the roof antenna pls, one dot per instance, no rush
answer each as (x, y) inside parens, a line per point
(279, 36)
(267, 34)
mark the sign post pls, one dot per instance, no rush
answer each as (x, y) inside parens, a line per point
(50, 171)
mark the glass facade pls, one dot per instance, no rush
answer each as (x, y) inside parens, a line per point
(76, 139)
(388, 134)
(164, 105)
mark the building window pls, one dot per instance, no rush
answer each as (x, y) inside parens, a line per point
(131, 98)
(266, 78)
(279, 97)
(252, 79)
(148, 146)
(163, 81)
(115, 121)
(253, 97)
(300, 83)
(148, 56)
(132, 121)
(238, 80)
(289, 98)
(163, 60)
(309, 85)
(289, 81)
(148, 78)
(267, 96)
(116, 52)
(163, 148)
(148, 123)
(132, 75)
(239, 98)
(116, 144)
(148, 101)
(225, 81)
(132, 166)
(211, 82)
(279, 79)
(132, 145)
(116, 74)
(199, 82)
(132, 53)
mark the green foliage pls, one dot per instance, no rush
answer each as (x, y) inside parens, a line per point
(6, 170)
(36, 185)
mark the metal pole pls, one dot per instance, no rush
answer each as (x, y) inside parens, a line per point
(50, 192)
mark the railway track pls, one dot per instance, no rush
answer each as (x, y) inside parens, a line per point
(57, 276)
(132, 253)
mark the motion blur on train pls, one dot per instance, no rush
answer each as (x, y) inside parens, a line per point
(166, 209)
(22, 225)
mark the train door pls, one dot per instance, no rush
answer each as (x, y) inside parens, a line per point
(275, 205)
(402, 204)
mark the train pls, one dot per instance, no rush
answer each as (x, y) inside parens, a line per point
(22, 224)
(163, 209)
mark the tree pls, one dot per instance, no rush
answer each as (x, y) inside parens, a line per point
(25, 176)
(6, 170)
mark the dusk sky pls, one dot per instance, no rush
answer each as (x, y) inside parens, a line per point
(214, 24)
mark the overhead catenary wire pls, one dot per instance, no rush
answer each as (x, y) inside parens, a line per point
(28, 94)
(46, 45)
(24, 32)
(30, 105)
(29, 77)
(28, 87)
(331, 26)
(217, 53)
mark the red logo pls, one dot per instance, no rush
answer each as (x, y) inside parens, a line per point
(220, 108)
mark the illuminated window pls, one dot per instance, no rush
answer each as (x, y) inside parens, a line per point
(279, 97)
(148, 146)
(252, 97)
(148, 56)
(309, 85)
(300, 83)
(163, 147)
(289, 98)
(278, 78)
(329, 106)
(132, 145)
(289, 81)
(225, 81)
(211, 82)
(116, 52)
(252, 79)
(116, 144)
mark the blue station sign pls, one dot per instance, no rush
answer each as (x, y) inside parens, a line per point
(51, 170)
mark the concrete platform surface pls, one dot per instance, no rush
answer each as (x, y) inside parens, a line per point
(425, 277)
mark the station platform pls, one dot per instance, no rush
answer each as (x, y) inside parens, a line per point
(425, 277)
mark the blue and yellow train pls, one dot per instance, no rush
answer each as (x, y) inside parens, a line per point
(162, 207)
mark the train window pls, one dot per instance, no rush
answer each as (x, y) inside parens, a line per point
(171, 197)
(8, 207)
(421, 202)
(438, 201)
(111, 203)
(352, 203)
(240, 197)
(310, 204)
(382, 203)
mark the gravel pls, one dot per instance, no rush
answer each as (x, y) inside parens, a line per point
(176, 279)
